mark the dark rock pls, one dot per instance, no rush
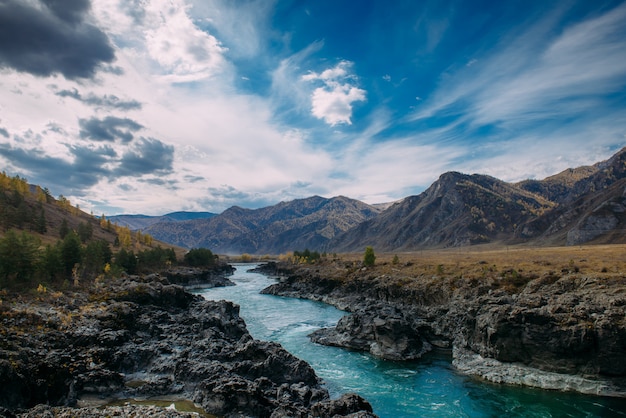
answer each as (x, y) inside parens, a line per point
(201, 277)
(568, 333)
(382, 330)
(344, 406)
(137, 338)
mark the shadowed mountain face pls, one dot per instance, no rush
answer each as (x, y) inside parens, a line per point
(579, 205)
(299, 224)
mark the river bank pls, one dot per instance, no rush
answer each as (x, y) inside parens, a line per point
(141, 337)
(564, 331)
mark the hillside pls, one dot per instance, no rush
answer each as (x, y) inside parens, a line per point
(32, 209)
(298, 224)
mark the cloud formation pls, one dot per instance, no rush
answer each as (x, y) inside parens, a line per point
(50, 37)
(334, 100)
(110, 129)
(107, 101)
(158, 105)
(146, 156)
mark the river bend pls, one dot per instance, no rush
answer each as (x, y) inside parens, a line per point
(429, 387)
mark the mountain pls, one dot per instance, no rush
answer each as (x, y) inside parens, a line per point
(591, 205)
(580, 205)
(140, 222)
(458, 209)
(287, 226)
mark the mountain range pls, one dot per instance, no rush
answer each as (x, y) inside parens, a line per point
(135, 222)
(579, 205)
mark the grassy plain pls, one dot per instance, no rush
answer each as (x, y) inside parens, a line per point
(489, 261)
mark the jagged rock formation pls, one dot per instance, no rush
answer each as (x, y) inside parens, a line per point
(299, 224)
(552, 332)
(143, 337)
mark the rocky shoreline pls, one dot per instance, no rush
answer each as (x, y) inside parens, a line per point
(565, 332)
(145, 338)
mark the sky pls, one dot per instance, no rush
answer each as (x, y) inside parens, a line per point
(154, 106)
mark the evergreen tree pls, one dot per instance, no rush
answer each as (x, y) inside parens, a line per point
(18, 257)
(40, 221)
(200, 257)
(96, 255)
(369, 258)
(85, 231)
(64, 229)
(71, 252)
(127, 261)
(50, 265)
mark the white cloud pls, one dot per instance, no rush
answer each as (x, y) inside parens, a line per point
(543, 93)
(534, 76)
(333, 101)
(163, 35)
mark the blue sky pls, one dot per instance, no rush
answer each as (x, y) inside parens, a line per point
(162, 105)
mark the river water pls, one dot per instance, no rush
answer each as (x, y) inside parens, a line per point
(426, 388)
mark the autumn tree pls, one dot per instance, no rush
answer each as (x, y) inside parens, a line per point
(124, 236)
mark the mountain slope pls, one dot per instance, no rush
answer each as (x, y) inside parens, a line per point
(298, 224)
(458, 209)
(591, 209)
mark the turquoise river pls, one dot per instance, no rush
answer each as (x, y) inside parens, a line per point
(426, 388)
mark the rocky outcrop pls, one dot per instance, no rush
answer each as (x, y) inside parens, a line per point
(200, 277)
(142, 337)
(381, 329)
(553, 332)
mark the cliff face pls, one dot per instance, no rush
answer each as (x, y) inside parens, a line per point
(553, 332)
(143, 337)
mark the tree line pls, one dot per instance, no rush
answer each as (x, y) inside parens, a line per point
(24, 260)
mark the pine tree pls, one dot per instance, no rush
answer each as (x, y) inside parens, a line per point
(64, 229)
(18, 256)
(369, 258)
(71, 252)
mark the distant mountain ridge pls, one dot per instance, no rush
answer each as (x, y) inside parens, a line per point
(140, 222)
(298, 224)
(579, 205)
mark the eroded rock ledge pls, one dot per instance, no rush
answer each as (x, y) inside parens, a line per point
(142, 337)
(566, 333)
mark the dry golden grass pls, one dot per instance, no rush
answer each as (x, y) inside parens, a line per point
(481, 261)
